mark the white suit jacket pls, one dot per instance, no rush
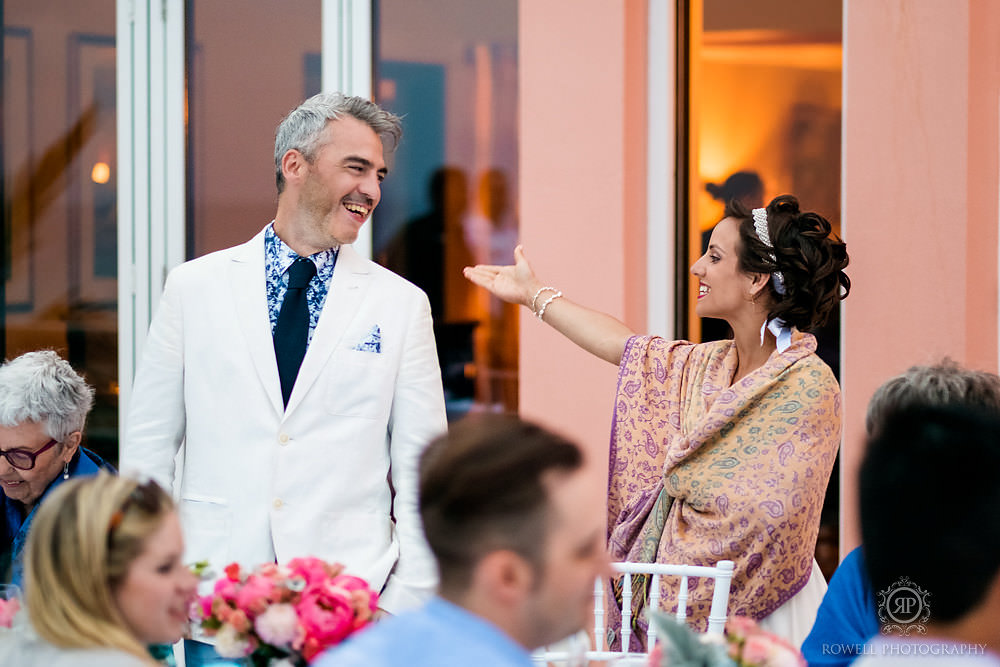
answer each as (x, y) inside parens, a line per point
(261, 482)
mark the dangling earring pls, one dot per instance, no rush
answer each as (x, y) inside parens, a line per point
(66, 470)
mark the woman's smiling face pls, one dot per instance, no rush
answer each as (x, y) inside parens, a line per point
(723, 289)
(27, 486)
(155, 596)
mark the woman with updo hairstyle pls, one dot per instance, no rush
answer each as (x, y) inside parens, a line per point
(104, 577)
(721, 450)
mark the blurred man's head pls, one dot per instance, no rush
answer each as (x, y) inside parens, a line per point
(516, 526)
(944, 383)
(930, 510)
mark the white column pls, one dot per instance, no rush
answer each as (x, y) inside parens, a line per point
(347, 64)
(660, 176)
(151, 193)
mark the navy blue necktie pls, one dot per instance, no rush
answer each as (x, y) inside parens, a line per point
(291, 333)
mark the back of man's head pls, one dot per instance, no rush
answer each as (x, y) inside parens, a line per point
(943, 383)
(483, 487)
(930, 502)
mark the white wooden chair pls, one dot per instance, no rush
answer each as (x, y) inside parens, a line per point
(722, 572)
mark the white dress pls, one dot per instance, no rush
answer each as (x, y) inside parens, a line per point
(794, 619)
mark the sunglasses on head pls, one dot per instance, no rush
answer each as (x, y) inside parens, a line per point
(145, 496)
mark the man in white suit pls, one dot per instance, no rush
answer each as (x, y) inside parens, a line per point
(322, 462)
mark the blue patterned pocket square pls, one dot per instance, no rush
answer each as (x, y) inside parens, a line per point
(372, 342)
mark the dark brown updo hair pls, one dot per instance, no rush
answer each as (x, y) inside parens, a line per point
(810, 257)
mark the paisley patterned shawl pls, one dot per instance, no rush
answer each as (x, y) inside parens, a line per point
(701, 471)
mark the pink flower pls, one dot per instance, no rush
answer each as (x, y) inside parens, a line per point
(757, 649)
(239, 620)
(327, 617)
(233, 572)
(270, 570)
(8, 608)
(364, 601)
(312, 569)
(204, 605)
(656, 655)
(769, 650)
(226, 589)
(786, 656)
(278, 625)
(254, 595)
(221, 610)
(740, 627)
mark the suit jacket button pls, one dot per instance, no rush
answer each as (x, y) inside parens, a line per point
(278, 503)
(283, 438)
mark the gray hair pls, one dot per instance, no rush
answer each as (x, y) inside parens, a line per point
(942, 384)
(302, 128)
(42, 387)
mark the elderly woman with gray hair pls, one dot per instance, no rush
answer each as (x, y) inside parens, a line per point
(43, 408)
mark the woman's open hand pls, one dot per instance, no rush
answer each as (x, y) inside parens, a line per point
(513, 283)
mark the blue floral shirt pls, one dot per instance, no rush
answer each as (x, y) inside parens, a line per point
(277, 258)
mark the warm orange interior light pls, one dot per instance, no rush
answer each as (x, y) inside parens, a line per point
(100, 173)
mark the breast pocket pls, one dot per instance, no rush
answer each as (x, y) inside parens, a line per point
(359, 384)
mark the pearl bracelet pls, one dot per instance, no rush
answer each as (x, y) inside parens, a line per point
(534, 299)
(541, 311)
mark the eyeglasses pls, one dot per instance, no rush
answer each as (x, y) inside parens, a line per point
(24, 459)
(145, 496)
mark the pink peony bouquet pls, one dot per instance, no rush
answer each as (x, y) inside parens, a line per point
(285, 613)
(750, 646)
(744, 645)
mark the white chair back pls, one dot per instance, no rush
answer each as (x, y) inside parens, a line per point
(722, 573)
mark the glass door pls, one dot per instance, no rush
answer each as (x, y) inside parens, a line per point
(450, 68)
(762, 118)
(246, 69)
(60, 185)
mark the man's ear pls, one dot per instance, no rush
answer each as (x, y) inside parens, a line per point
(293, 165)
(505, 575)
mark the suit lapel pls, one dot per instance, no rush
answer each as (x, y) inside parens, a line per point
(348, 286)
(249, 288)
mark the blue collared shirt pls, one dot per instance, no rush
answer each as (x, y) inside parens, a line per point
(277, 258)
(439, 634)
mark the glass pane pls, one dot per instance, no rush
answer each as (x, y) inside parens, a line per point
(450, 68)
(765, 106)
(59, 254)
(247, 66)
(765, 99)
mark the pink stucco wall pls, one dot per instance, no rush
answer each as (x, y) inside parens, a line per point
(920, 198)
(582, 99)
(921, 184)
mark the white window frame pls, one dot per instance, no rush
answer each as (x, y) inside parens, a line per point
(660, 167)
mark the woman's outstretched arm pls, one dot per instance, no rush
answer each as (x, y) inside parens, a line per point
(596, 332)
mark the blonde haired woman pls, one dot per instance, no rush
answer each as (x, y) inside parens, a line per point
(104, 577)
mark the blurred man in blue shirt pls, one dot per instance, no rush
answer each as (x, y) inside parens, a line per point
(517, 527)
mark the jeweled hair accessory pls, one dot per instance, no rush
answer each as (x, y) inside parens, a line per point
(760, 226)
